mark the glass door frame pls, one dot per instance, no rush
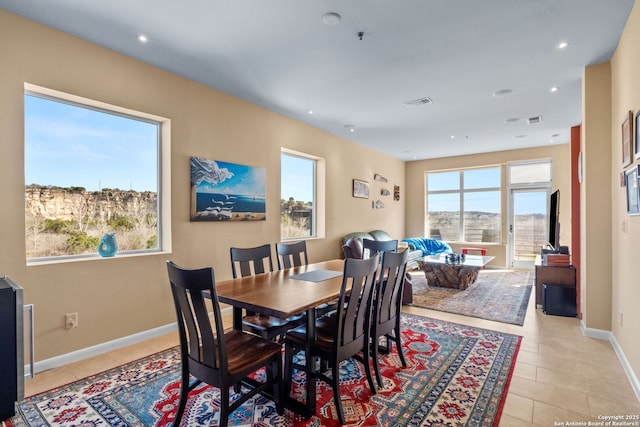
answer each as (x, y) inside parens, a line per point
(511, 255)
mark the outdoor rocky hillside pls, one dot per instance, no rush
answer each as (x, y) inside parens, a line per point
(69, 204)
(69, 221)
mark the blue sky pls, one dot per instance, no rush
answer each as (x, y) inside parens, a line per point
(525, 202)
(69, 146)
(297, 178)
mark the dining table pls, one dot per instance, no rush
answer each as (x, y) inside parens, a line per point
(283, 294)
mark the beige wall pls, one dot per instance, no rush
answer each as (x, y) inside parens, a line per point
(416, 205)
(595, 220)
(625, 230)
(122, 296)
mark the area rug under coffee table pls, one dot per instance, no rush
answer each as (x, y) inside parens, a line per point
(457, 375)
(499, 295)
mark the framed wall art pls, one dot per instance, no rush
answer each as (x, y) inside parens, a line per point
(633, 192)
(627, 139)
(360, 189)
(222, 191)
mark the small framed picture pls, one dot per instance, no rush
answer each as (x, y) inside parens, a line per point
(360, 189)
(636, 140)
(633, 194)
(627, 139)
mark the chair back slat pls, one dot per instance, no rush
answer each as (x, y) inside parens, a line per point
(389, 290)
(198, 340)
(251, 261)
(354, 306)
(292, 254)
(370, 247)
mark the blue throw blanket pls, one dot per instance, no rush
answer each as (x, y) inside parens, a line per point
(428, 246)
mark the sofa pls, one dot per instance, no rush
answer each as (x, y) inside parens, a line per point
(352, 248)
(418, 246)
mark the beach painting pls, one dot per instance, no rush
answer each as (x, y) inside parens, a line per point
(222, 191)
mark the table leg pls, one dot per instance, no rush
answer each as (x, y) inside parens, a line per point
(307, 409)
(237, 318)
(310, 360)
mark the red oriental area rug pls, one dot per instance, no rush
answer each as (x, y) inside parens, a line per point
(457, 375)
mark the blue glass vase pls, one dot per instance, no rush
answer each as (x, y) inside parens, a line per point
(108, 245)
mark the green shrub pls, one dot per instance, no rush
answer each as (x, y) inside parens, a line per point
(58, 226)
(80, 242)
(123, 223)
(152, 242)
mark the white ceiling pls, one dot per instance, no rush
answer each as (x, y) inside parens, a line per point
(280, 54)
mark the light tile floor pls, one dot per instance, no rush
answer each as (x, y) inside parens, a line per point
(560, 375)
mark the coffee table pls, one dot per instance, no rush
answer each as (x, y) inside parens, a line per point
(461, 275)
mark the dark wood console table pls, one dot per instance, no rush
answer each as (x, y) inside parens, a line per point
(562, 276)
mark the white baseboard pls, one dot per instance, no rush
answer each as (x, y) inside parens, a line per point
(74, 356)
(609, 336)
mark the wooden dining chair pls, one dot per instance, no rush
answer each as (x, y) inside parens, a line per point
(218, 358)
(249, 261)
(292, 254)
(342, 335)
(387, 307)
(369, 247)
(295, 255)
(257, 260)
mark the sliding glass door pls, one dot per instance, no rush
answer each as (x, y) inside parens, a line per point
(527, 225)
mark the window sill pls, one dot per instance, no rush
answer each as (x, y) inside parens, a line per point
(91, 257)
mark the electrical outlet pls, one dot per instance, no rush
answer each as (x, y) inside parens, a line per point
(71, 320)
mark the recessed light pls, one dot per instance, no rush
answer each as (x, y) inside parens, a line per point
(512, 120)
(310, 112)
(503, 92)
(331, 18)
(521, 136)
(562, 45)
(418, 102)
(555, 135)
(350, 128)
(142, 38)
(554, 89)
(452, 137)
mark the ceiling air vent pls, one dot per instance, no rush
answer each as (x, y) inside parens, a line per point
(532, 120)
(418, 102)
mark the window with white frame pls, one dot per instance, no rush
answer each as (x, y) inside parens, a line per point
(91, 169)
(465, 205)
(298, 207)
